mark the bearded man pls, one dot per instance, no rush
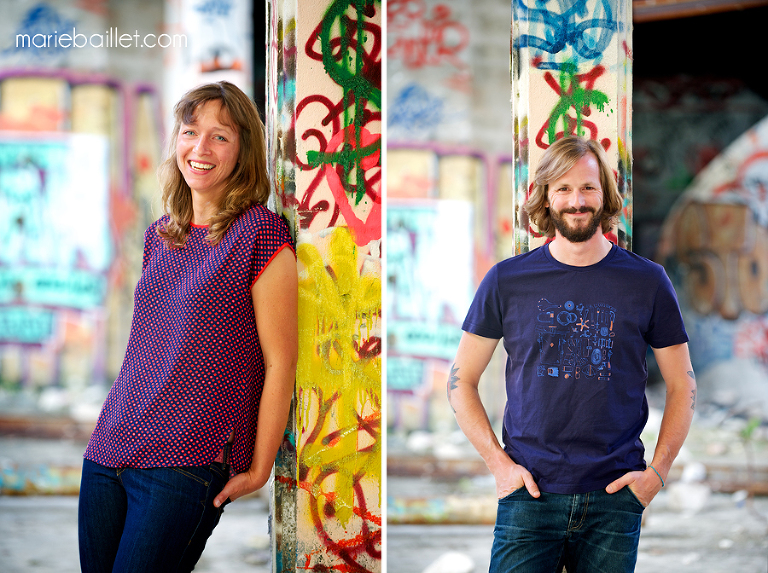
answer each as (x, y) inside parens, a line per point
(577, 316)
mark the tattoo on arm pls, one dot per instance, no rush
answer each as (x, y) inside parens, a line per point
(452, 380)
(693, 392)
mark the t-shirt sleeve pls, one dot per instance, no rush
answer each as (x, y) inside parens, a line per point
(271, 237)
(666, 327)
(485, 313)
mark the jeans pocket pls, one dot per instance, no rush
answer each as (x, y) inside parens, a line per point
(634, 498)
(195, 473)
(220, 470)
(509, 495)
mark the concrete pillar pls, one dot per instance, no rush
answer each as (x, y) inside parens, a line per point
(324, 138)
(571, 74)
(207, 42)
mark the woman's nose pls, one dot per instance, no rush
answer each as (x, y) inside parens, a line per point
(200, 145)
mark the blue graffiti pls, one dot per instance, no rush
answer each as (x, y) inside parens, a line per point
(415, 109)
(215, 7)
(571, 26)
(32, 35)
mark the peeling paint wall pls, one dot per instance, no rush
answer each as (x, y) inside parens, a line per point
(571, 74)
(715, 247)
(324, 130)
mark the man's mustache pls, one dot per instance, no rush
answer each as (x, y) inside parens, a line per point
(580, 210)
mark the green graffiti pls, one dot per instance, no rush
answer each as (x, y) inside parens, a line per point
(574, 95)
(357, 71)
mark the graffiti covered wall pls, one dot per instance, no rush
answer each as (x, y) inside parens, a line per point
(73, 234)
(448, 218)
(440, 234)
(680, 124)
(571, 74)
(429, 71)
(715, 247)
(324, 128)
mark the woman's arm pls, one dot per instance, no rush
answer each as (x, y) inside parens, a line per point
(275, 304)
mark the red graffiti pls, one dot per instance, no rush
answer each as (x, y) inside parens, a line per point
(347, 155)
(361, 540)
(425, 40)
(752, 341)
(580, 99)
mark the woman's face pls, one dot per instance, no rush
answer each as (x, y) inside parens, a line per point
(207, 150)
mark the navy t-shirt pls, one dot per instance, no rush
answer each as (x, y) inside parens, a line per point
(576, 340)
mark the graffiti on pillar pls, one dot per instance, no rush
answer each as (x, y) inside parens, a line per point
(339, 405)
(580, 99)
(324, 125)
(585, 28)
(571, 75)
(343, 149)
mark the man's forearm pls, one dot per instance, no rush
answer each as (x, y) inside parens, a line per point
(675, 423)
(473, 419)
(675, 365)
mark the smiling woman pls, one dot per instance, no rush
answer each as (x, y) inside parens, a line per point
(215, 124)
(207, 150)
(212, 348)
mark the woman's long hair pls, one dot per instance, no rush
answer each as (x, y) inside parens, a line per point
(247, 185)
(559, 158)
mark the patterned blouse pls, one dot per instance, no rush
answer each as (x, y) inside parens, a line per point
(193, 371)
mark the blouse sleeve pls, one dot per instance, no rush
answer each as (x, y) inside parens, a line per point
(271, 237)
(151, 238)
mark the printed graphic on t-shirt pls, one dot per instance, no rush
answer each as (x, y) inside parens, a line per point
(575, 340)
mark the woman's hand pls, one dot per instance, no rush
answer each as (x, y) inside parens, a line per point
(240, 485)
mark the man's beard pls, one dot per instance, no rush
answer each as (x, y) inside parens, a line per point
(581, 233)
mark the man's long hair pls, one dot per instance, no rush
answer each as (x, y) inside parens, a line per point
(558, 159)
(248, 183)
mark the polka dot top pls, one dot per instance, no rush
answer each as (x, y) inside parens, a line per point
(193, 371)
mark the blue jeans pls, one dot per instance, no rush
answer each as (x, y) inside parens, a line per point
(146, 520)
(593, 532)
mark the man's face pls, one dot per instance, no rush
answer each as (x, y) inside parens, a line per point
(576, 201)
